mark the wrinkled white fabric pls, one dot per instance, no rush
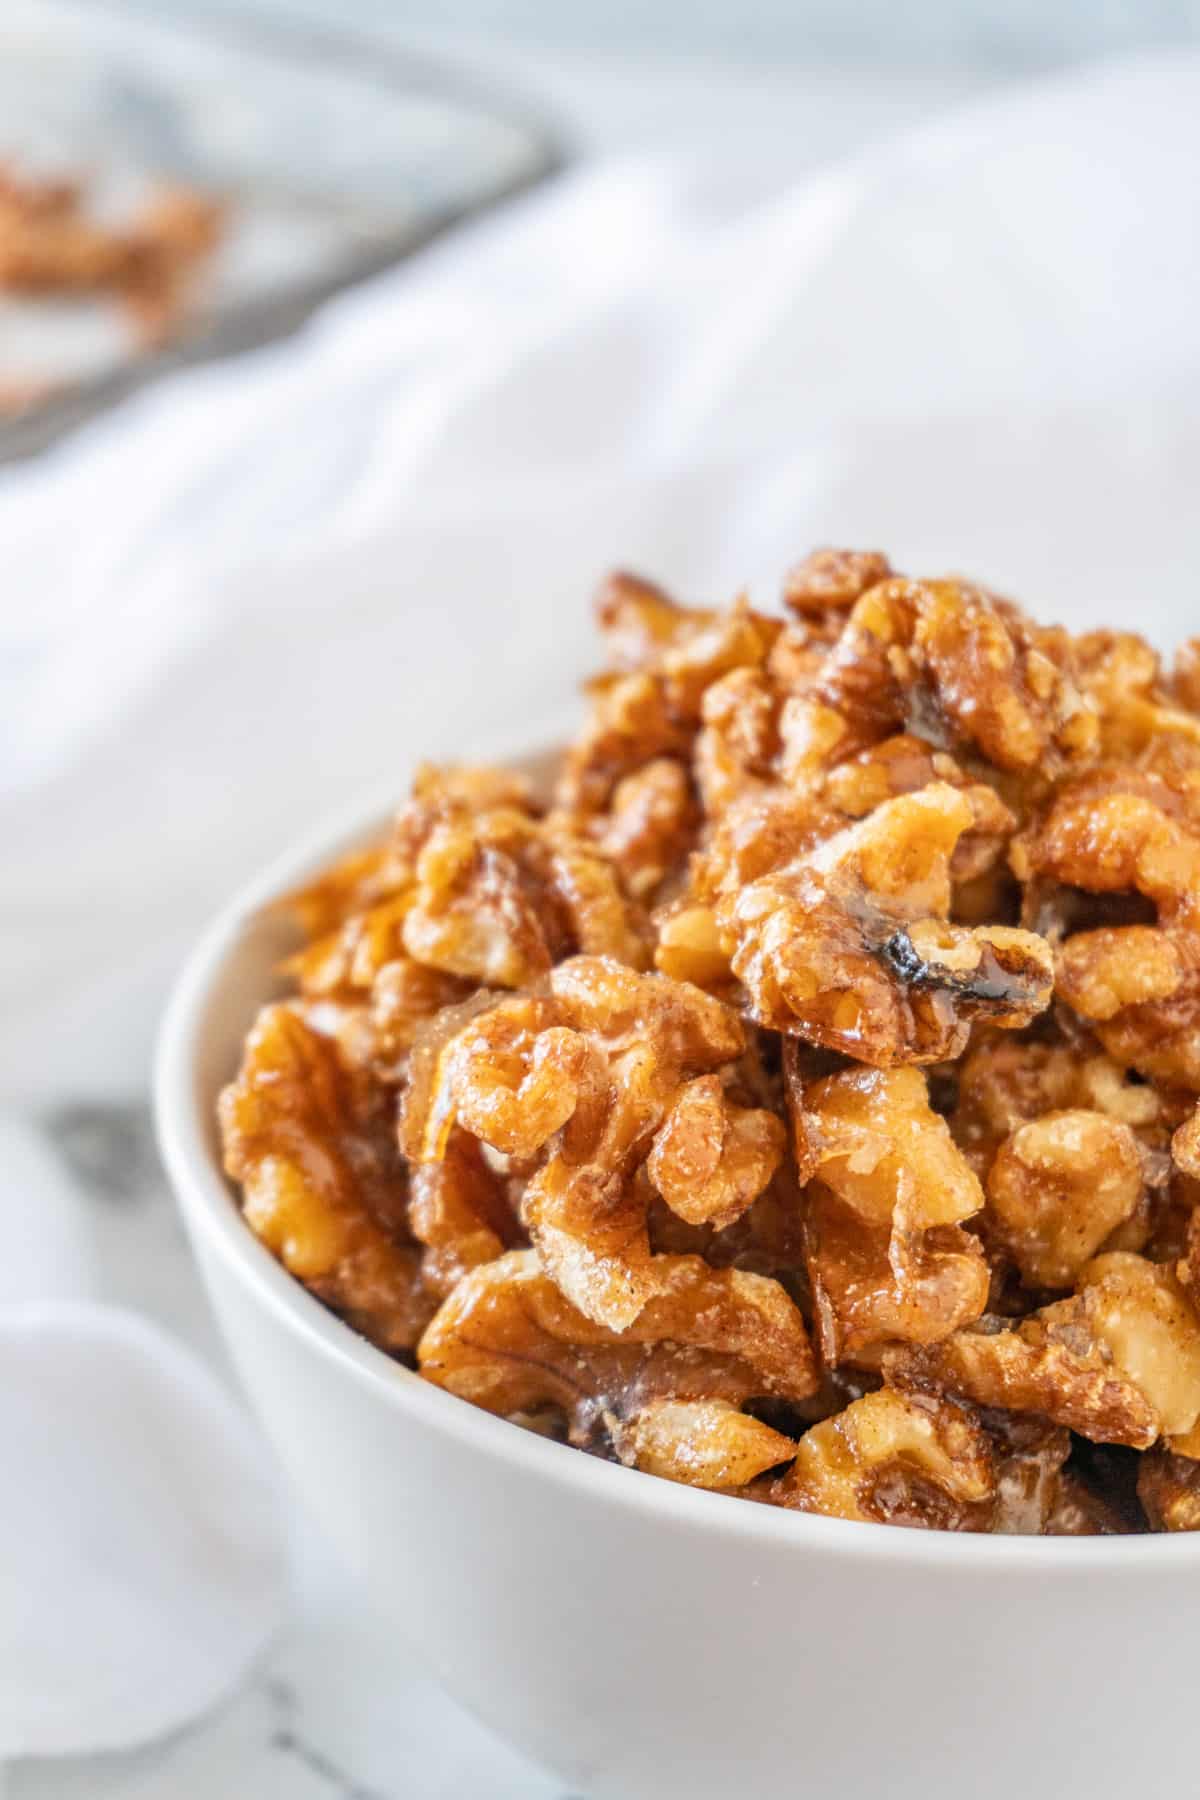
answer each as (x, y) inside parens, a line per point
(141, 1562)
(263, 588)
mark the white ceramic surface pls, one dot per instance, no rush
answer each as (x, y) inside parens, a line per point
(647, 1641)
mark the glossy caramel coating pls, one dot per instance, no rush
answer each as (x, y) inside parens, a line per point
(800, 1101)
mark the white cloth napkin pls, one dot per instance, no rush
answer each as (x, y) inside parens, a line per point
(263, 588)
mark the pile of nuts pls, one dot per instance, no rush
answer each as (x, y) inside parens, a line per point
(800, 1102)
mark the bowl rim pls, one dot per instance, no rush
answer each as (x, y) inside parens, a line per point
(207, 1202)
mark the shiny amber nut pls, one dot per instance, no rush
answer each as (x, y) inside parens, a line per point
(1139, 1311)
(833, 579)
(886, 1153)
(513, 1076)
(850, 948)
(313, 1146)
(1052, 1364)
(507, 1339)
(998, 682)
(874, 1287)
(1185, 678)
(702, 1443)
(1100, 973)
(1119, 1362)
(711, 1159)
(1058, 1188)
(650, 825)
(638, 620)
(896, 1459)
(1115, 832)
(459, 1211)
(690, 948)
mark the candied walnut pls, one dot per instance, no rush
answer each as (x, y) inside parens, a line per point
(512, 1076)
(1121, 673)
(739, 746)
(1119, 1362)
(598, 916)
(508, 1340)
(945, 660)
(895, 1459)
(350, 885)
(833, 579)
(583, 1210)
(904, 764)
(497, 896)
(850, 946)
(49, 245)
(323, 1185)
(1169, 1490)
(654, 709)
(638, 620)
(650, 825)
(405, 995)
(1185, 1145)
(473, 914)
(1058, 1370)
(1119, 830)
(874, 1139)
(1004, 1082)
(348, 958)
(605, 1059)
(690, 947)
(1057, 1189)
(1139, 990)
(631, 723)
(711, 1158)
(872, 1288)
(704, 1443)
(459, 1210)
(1140, 1311)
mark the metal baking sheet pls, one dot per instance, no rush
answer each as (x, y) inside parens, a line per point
(334, 162)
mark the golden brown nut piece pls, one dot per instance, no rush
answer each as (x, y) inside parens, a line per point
(703, 1443)
(459, 1210)
(947, 655)
(508, 1340)
(1006, 1082)
(833, 579)
(711, 1158)
(895, 1459)
(850, 946)
(323, 1185)
(1057, 1190)
(1119, 1362)
(600, 1073)
(887, 1260)
(650, 825)
(1121, 674)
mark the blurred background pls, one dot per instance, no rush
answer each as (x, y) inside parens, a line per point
(343, 345)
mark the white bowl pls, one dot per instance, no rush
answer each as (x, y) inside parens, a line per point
(649, 1641)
